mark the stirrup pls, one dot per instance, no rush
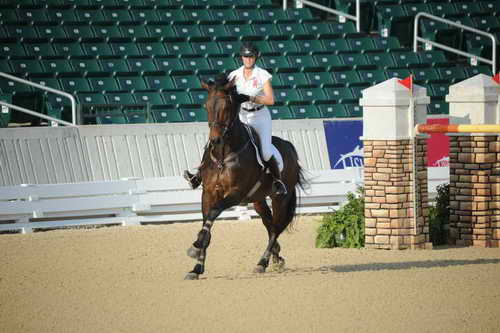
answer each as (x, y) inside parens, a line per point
(279, 188)
(193, 180)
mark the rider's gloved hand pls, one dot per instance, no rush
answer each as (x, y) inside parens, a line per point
(241, 98)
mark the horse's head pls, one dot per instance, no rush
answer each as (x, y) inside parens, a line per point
(222, 109)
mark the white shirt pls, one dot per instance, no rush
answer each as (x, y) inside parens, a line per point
(253, 86)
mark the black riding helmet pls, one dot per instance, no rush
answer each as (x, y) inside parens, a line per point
(249, 50)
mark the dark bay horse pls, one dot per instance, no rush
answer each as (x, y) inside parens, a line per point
(231, 175)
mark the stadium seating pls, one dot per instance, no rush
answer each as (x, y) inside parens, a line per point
(155, 53)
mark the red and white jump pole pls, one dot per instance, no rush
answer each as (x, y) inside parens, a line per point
(453, 128)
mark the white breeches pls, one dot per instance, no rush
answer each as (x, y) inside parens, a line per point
(261, 122)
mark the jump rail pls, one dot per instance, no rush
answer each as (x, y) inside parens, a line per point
(452, 128)
(417, 39)
(28, 208)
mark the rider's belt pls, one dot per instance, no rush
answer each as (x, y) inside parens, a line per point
(257, 108)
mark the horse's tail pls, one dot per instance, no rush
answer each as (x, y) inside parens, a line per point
(302, 184)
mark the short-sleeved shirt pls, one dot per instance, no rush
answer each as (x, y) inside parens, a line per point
(253, 86)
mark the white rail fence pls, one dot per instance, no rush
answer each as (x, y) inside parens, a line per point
(28, 208)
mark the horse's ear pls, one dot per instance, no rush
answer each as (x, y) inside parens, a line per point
(205, 85)
(230, 84)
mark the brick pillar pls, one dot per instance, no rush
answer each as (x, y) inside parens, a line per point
(389, 183)
(474, 165)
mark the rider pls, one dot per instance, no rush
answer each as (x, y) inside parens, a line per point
(254, 86)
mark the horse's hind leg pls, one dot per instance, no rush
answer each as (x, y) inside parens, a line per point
(264, 212)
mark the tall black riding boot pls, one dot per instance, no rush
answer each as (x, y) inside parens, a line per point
(279, 188)
(194, 180)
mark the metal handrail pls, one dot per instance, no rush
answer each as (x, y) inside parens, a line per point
(333, 11)
(417, 39)
(52, 90)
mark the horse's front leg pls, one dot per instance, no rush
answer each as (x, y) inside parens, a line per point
(199, 248)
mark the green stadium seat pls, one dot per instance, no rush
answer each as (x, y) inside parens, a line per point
(318, 29)
(354, 110)
(284, 47)
(490, 7)
(438, 107)
(116, 15)
(196, 65)
(8, 15)
(26, 66)
(86, 65)
(302, 62)
(251, 15)
(232, 48)
(114, 65)
(165, 114)
(70, 48)
(372, 76)
(151, 48)
(141, 64)
(475, 70)
(159, 82)
(339, 94)
(122, 49)
(357, 91)
(426, 75)
(413, 9)
(343, 28)
(266, 30)
(97, 49)
(280, 112)
(275, 15)
(222, 63)
(433, 58)
(329, 61)
(172, 15)
(198, 15)
(187, 31)
(292, 29)
(336, 45)
(240, 30)
(185, 81)
(399, 73)
(144, 15)
(198, 97)
(158, 30)
(313, 95)
(79, 31)
(151, 97)
(104, 84)
(310, 46)
(32, 14)
(75, 84)
(5, 67)
(356, 60)
(193, 115)
(134, 31)
(440, 32)
(51, 31)
(287, 95)
(223, 14)
(333, 110)
(214, 31)
(300, 14)
(305, 111)
(120, 98)
(89, 15)
(168, 64)
(108, 31)
(179, 48)
(135, 3)
(91, 98)
(57, 102)
(206, 48)
(276, 63)
(486, 22)
(390, 43)
(361, 44)
(131, 83)
(137, 117)
(406, 59)
(9, 49)
(347, 78)
(177, 98)
(320, 79)
(63, 15)
(452, 74)
(19, 31)
(46, 81)
(381, 59)
(263, 45)
(293, 80)
(39, 49)
(114, 119)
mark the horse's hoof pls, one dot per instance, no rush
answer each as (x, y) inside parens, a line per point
(193, 252)
(259, 269)
(191, 276)
(278, 266)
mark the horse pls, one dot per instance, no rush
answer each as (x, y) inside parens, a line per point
(231, 175)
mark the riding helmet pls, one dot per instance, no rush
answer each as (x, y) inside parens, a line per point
(249, 50)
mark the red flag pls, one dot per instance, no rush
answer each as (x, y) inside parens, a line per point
(496, 78)
(407, 82)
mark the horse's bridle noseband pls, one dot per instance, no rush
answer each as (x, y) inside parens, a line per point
(222, 125)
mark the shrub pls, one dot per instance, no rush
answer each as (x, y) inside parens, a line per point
(439, 216)
(344, 227)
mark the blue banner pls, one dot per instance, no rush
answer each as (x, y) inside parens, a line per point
(345, 149)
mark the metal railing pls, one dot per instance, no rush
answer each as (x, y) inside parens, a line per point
(332, 11)
(417, 39)
(37, 114)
